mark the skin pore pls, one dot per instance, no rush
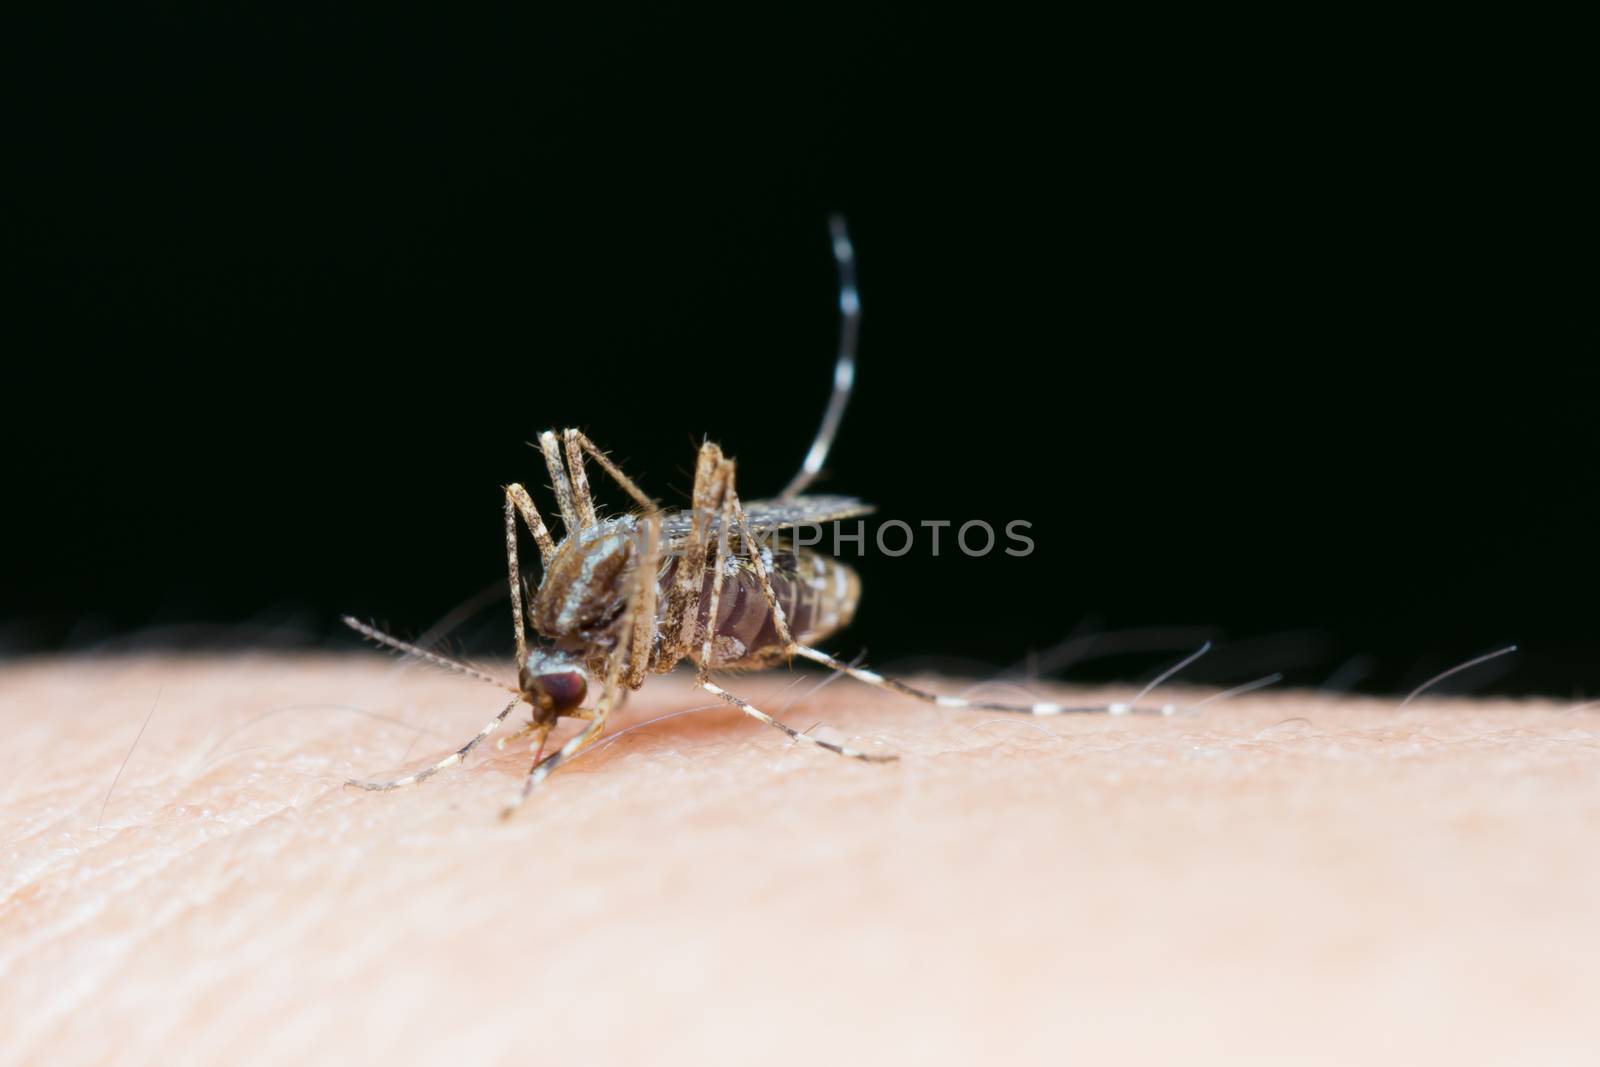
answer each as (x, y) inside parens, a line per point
(1281, 874)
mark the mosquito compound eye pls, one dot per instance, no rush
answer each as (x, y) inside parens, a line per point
(564, 690)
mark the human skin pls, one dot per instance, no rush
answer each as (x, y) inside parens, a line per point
(1276, 875)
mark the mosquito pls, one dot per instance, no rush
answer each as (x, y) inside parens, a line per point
(625, 597)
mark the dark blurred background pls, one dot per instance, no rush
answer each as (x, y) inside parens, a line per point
(1271, 342)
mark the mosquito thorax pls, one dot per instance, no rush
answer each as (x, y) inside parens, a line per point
(583, 583)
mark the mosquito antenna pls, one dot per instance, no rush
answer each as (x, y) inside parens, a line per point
(1457, 669)
(374, 634)
(844, 368)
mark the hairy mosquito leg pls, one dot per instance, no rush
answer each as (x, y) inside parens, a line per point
(583, 498)
(724, 486)
(683, 599)
(780, 620)
(844, 369)
(518, 496)
(578, 443)
(513, 567)
(455, 757)
(861, 674)
(795, 735)
(647, 589)
(558, 482)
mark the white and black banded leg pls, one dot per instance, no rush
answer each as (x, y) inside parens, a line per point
(794, 735)
(390, 641)
(844, 368)
(861, 674)
(455, 757)
(680, 618)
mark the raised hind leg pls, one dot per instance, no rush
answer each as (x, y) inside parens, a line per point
(844, 368)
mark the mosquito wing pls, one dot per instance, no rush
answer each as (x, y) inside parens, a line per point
(766, 515)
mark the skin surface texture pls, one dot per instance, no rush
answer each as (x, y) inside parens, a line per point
(1278, 875)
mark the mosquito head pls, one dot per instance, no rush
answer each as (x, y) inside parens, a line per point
(553, 684)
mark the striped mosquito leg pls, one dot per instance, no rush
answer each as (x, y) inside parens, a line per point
(719, 565)
(558, 482)
(683, 600)
(861, 674)
(730, 508)
(583, 499)
(518, 496)
(514, 577)
(794, 735)
(754, 550)
(455, 757)
(646, 592)
(578, 439)
(844, 369)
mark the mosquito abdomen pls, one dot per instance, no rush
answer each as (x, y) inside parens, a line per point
(818, 595)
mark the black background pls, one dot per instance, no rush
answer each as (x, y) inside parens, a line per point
(1264, 328)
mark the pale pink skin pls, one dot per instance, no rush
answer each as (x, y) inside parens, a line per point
(1278, 875)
